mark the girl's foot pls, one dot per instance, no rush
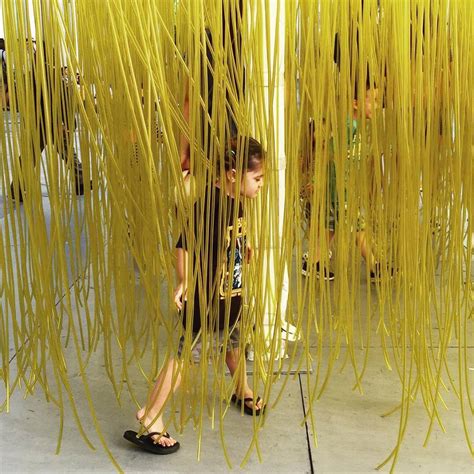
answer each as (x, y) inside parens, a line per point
(157, 426)
(258, 405)
(251, 405)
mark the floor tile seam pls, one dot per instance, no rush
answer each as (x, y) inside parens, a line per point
(308, 440)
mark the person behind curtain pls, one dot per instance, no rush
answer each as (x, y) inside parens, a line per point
(62, 128)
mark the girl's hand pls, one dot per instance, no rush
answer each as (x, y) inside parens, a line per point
(179, 295)
(306, 191)
(185, 161)
(248, 253)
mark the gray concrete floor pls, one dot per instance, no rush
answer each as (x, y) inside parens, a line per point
(351, 433)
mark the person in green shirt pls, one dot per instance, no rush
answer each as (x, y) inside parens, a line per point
(333, 203)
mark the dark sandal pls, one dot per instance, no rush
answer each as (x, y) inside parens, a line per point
(146, 442)
(247, 410)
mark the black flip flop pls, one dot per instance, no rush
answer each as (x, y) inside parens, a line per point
(247, 410)
(146, 442)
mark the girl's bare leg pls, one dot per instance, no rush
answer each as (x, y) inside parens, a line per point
(242, 389)
(151, 415)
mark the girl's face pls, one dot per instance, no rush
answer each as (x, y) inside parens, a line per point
(252, 182)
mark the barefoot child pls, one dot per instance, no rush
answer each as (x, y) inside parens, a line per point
(217, 250)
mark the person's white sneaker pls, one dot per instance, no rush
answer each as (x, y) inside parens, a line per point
(250, 353)
(289, 332)
(289, 327)
(290, 337)
(279, 355)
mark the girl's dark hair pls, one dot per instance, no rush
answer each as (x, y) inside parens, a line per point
(250, 151)
(4, 64)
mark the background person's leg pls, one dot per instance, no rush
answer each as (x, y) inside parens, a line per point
(69, 155)
(17, 185)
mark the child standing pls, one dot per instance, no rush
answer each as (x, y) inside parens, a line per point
(309, 168)
(218, 249)
(312, 260)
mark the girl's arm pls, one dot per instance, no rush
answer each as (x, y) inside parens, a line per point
(248, 253)
(181, 272)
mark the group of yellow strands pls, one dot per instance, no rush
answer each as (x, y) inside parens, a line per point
(96, 279)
